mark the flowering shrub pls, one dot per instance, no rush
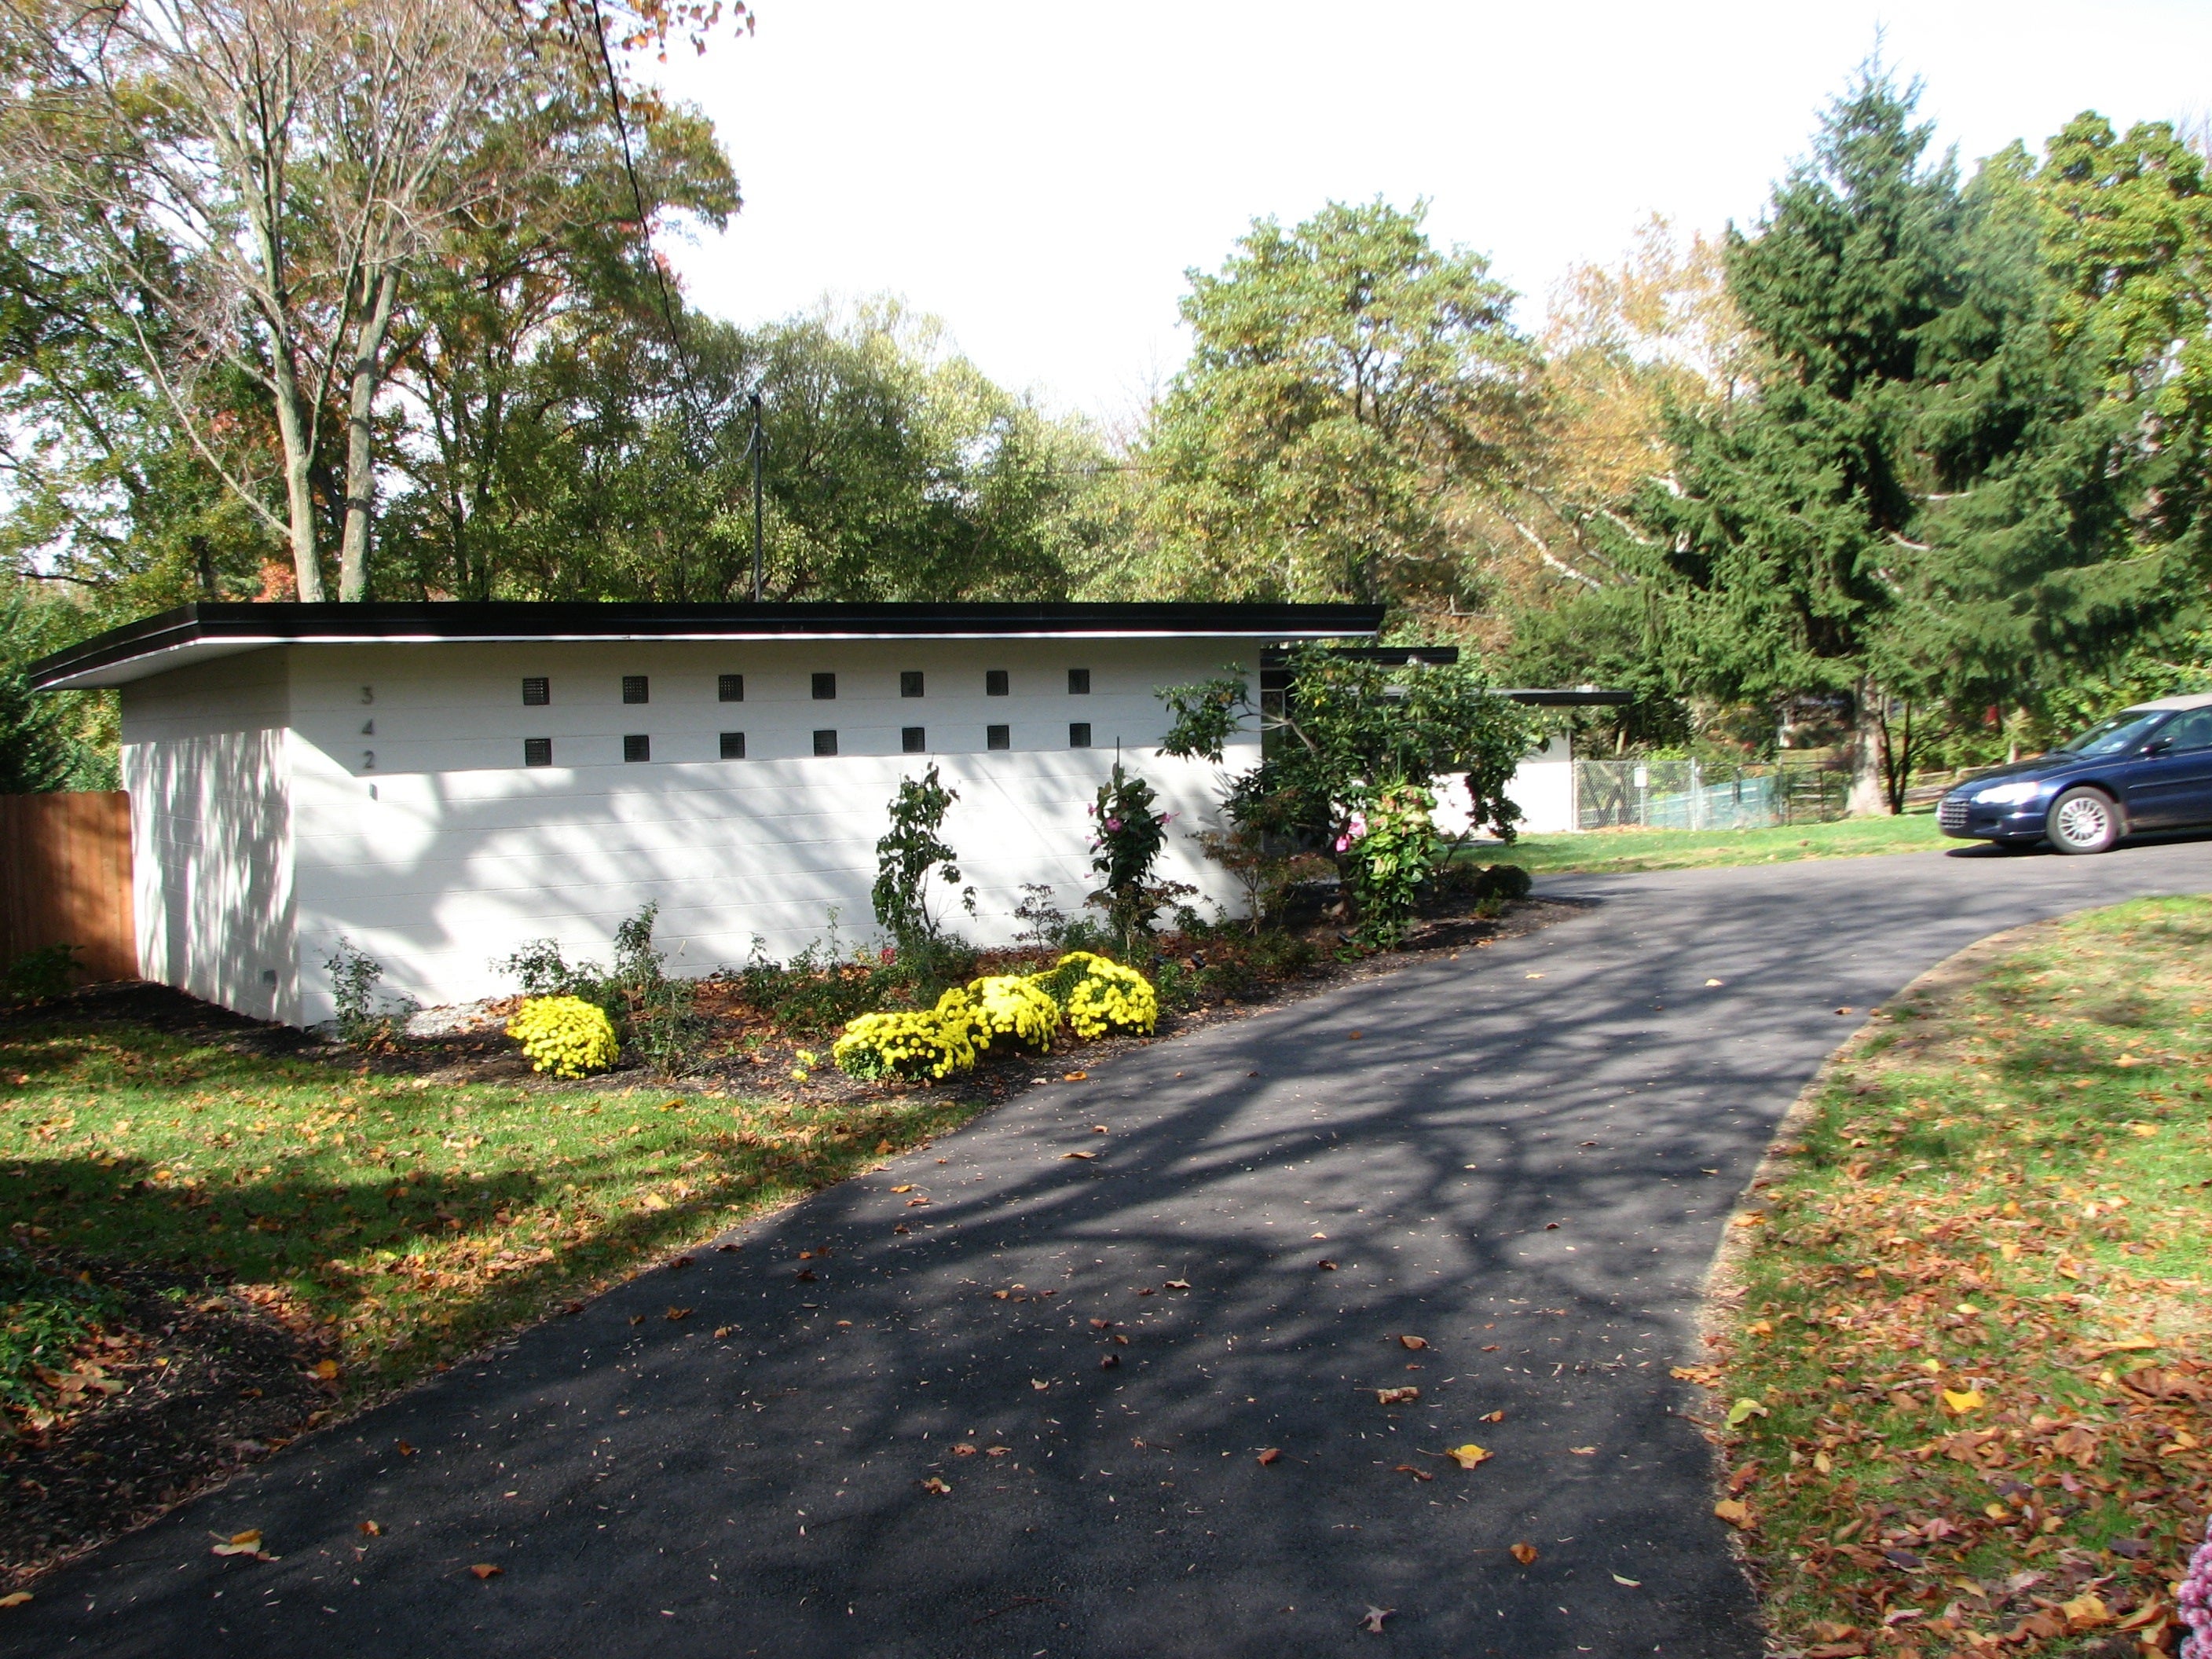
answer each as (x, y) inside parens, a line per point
(1388, 850)
(1123, 849)
(565, 1035)
(934, 1042)
(2195, 1601)
(1015, 1010)
(1100, 997)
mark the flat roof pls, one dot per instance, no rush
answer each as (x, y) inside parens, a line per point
(196, 633)
(2187, 700)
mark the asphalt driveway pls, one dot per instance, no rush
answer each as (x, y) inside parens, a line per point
(1521, 1157)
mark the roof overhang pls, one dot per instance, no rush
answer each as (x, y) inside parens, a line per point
(199, 633)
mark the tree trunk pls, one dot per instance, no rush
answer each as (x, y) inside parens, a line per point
(361, 461)
(299, 486)
(1869, 798)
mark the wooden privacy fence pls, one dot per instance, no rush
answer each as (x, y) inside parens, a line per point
(66, 879)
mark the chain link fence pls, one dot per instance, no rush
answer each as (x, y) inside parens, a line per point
(1688, 794)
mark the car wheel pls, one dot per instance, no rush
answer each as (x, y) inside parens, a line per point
(2083, 820)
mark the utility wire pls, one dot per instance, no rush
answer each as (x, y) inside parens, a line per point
(644, 220)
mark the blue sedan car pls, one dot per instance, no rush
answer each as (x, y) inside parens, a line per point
(2147, 768)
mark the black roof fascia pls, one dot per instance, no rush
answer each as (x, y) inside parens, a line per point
(249, 624)
(1565, 696)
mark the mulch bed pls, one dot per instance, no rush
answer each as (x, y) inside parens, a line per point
(747, 1051)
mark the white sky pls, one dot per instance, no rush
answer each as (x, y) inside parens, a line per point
(1040, 175)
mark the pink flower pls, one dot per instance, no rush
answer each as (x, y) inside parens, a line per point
(1113, 823)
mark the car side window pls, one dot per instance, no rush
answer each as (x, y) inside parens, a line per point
(2191, 730)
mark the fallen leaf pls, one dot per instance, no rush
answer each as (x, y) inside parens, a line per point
(1084, 1155)
(327, 1370)
(1582, 1451)
(1326, 1265)
(1397, 1396)
(1099, 1130)
(678, 1313)
(1635, 1583)
(1418, 1475)
(485, 1570)
(1354, 1036)
(1178, 1284)
(2087, 1611)
(1735, 1512)
(964, 1449)
(1270, 1454)
(1039, 1382)
(639, 1318)
(405, 1451)
(1491, 1417)
(1524, 1554)
(1108, 1362)
(1960, 1404)
(1709, 984)
(1468, 1455)
(907, 1187)
(371, 1528)
(996, 1451)
(721, 1333)
(1704, 1376)
(15, 1598)
(1743, 1411)
(1076, 1077)
(1534, 976)
(1372, 1618)
(938, 1488)
(1416, 1343)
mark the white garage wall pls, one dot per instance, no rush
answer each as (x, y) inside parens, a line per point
(428, 843)
(206, 759)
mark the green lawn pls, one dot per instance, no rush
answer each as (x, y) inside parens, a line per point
(1966, 1387)
(406, 1223)
(1624, 850)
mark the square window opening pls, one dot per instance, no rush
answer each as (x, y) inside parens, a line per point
(537, 751)
(995, 681)
(730, 688)
(536, 691)
(998, 737)
(637, 689)
(825, 688)
(1078, 682)
(909, 682)
(913, 741)
(825, 743)
(733, 745)
(637, 747)
(1079, 734)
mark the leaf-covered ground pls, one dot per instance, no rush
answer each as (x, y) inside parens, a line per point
(1621, 851)
(1961, 1372)
(177, 1202)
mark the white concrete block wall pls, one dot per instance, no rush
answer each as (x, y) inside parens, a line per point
(428, 843)
(1543, 787)
(206, 759)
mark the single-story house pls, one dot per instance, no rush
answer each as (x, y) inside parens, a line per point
(440, 783)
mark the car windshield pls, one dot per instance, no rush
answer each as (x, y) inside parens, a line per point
(2115, 736)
